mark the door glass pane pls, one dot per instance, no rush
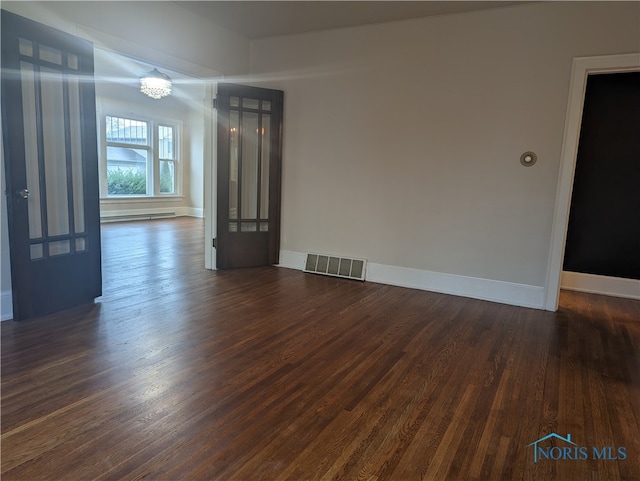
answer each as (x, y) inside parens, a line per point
(25, 47)
(126, 171)
(81, 244)
(36, 251)
(59, 247)
(55, 154)
(234, 102)
(266, 105)
(233, 227)
(249, 179)
(75, 125)
(72, 61)
(234, 132)
(264, 227)
(248, 227)
(250, 104)
(49, 54)
(264, 172)
(31, 151)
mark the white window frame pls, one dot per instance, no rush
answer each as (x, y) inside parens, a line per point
(153, 159)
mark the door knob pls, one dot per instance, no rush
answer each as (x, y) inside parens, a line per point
(24, 193)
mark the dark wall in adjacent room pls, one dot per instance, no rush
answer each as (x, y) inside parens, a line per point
(604, 224)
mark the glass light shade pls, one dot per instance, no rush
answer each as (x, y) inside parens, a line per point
(155, 84)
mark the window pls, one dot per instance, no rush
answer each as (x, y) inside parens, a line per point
(141, 157)
(166, 156)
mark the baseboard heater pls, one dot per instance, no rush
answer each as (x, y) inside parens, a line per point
(140, 216)
(346, 267)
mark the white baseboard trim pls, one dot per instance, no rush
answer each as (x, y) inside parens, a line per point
(608, 286)
(522, 295)
(190, 212)
(6, 306)
(292, 260)
(147, 214)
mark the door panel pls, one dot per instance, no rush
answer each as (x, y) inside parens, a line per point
(249, 165)
(50, 153)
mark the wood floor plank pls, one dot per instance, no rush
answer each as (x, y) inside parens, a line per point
(177, 372)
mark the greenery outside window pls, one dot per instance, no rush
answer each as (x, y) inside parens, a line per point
(141, 157)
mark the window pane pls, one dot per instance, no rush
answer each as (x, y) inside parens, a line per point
(165, 142)
(127, 131)
(167, 177)
(126, 171)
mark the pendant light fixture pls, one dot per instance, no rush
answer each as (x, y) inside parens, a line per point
(155, 84)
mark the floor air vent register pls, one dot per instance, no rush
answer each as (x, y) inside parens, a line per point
(336, 266)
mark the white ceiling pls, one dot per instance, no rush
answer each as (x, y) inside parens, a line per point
(259, 19)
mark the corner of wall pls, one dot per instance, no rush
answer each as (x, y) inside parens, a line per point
(6, 301)
(6, 306)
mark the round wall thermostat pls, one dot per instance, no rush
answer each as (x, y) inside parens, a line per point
(528, 159)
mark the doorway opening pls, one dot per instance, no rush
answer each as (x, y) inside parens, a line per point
(581, 69)
(151, 152)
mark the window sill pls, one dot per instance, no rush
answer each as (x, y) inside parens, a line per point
(141, 199)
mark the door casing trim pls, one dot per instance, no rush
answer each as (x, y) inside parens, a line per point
(581, 68)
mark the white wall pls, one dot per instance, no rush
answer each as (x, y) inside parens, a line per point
(161, 27)
(402, 140)
(194, 177)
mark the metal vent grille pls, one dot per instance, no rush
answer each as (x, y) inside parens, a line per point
(348, 268)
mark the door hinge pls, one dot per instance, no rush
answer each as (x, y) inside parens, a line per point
(215, 103)
(213, 242)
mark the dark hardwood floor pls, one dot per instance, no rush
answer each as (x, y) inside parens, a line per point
(273, 374)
